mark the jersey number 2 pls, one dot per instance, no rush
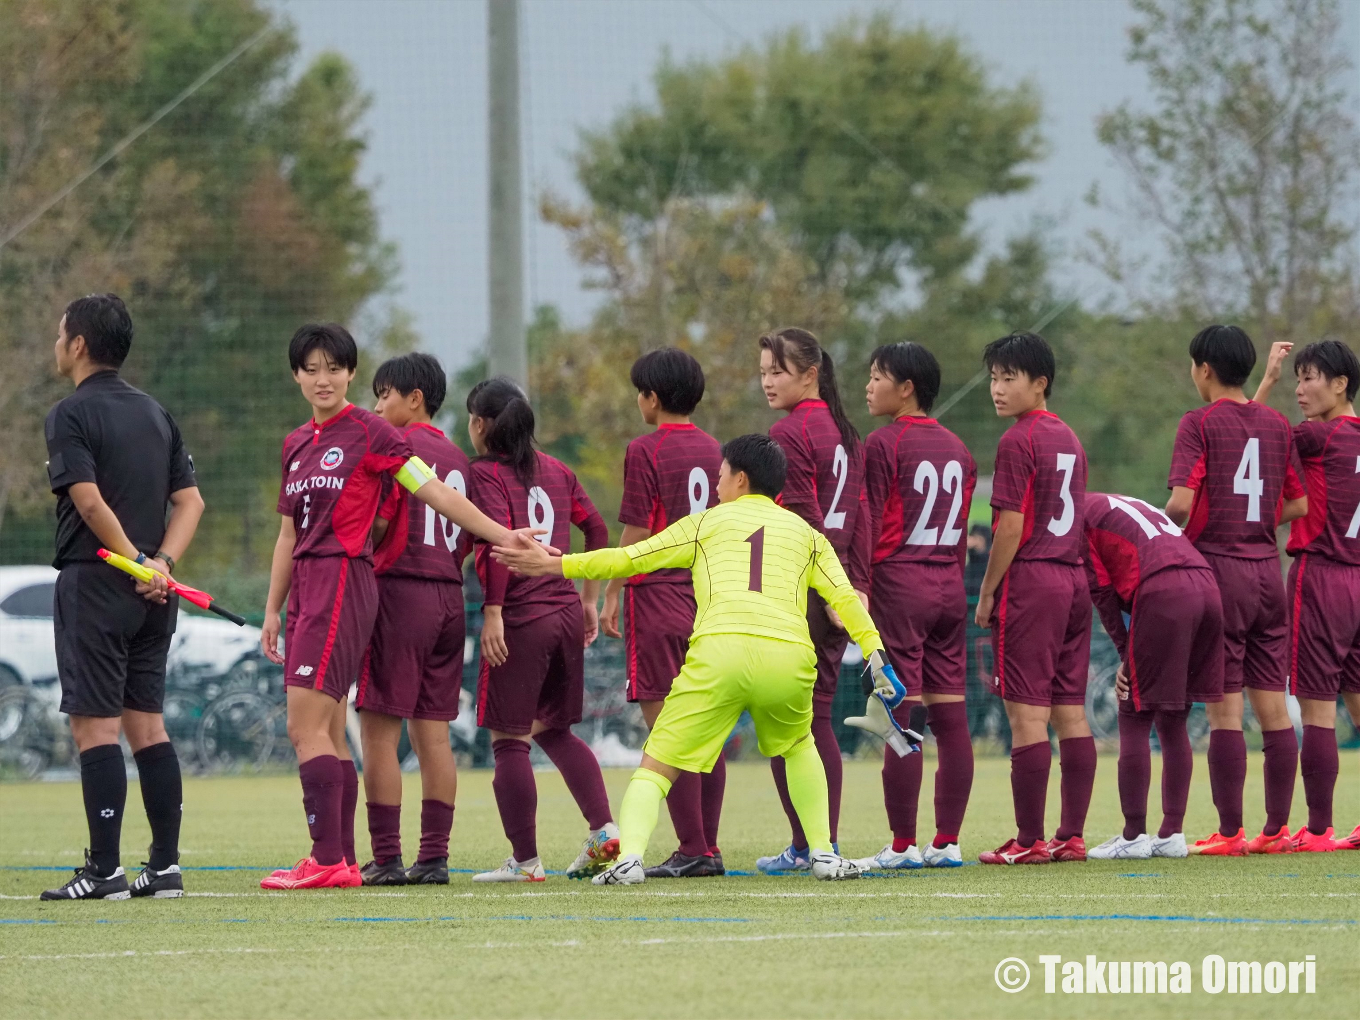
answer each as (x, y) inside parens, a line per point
(928, 481)
(840, 467)
(757, 540)
(1354, 530)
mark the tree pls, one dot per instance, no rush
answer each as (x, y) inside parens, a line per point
(226, 225)
(1244, 163)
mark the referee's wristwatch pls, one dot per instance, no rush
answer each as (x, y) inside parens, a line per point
(169, 560)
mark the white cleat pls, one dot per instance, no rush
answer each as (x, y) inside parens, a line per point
(1172, 846)
(1117, 848)
(828, 867)
(941, 856)
(514, 871)
(600, 849)
(887, 860)
(625, 871)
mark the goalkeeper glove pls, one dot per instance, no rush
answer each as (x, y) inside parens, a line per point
(880, 722)
(886, 684)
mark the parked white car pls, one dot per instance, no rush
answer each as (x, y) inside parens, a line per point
(28, 650)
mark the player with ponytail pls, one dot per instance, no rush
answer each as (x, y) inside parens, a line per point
(825, 487)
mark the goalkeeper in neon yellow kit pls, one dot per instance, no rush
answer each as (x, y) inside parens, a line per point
(752, 563)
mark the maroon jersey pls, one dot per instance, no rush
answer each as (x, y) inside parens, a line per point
(420, 542)
(825, 483)
(1236, 458)
(918, 482)
(1330, 452)
(669, 474)
(1041, 472)
(554, 501)
(333, 477)
(1128, 541)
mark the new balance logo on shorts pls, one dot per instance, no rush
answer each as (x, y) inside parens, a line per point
(304, 670)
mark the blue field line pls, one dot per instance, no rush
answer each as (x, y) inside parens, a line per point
(1147, 917)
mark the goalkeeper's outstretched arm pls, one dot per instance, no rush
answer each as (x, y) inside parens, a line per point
(673, 547)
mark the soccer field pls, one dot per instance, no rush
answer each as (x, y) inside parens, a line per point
(924, 942)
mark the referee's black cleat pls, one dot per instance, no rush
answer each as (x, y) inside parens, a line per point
(432, 872)
(160, 885)
(679, 865)
(89, 884)
(389, 872)
(718, 864)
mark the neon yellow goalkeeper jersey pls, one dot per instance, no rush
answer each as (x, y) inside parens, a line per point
(752, 562)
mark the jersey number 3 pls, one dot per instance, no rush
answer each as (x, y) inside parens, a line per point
(1062, 524)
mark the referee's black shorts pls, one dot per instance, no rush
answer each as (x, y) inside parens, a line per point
(111, 642)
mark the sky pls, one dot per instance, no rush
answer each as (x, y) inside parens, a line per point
(424, 61)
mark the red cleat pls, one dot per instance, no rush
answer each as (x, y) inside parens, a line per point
(1065, 850)
(356, 878)
(1306, 842)
(308, 874)
(1351, 842)
(1280, 843)
(1011, 852)
(1219, 845)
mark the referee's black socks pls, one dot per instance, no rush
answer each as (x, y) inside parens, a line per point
(103, 781)
(163, 798)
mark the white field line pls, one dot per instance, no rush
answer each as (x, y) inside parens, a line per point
(135, 952)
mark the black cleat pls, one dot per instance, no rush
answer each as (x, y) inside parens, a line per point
(678, 865)
(89, 884)
(431, 872)
(389, 872)
(718, 864)
(161, 885)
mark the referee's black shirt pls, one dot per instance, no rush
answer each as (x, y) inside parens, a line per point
(114, 435)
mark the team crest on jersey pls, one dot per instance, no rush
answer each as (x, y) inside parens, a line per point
(330, 460)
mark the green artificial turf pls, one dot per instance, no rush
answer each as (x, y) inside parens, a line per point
(919, 944)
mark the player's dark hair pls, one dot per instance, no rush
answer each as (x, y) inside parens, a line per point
(1023, 352)
(799, 348)
(1332, 359)
(909, 362)
(761, 458)
(1227, 350)
(330, 338)
(104, 322)
(674, 376)
(407, 373)
(510, 439)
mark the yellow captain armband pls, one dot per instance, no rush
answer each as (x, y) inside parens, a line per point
(415, 473)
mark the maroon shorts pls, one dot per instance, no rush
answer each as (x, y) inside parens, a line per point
(1324, 628)
(1175, 641)
(544, 677)
(830, 643)
(1255, 632)
(921, 611)
(332, 604)
(1041, 634)
(414, 665)
(658, 619)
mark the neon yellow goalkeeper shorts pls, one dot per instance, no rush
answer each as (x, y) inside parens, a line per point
(723, 676)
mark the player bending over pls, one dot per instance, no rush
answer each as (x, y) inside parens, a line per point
(413, 669)
(668, 474)
(752, 564)
(919, 480)
(1231, 486)
(1171, 653)
(334, 469)
(825, 487)
(1034, 597)
(1323, 604)
(534, 635)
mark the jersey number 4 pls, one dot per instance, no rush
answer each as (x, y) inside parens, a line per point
(1247, 482)
(928, 481)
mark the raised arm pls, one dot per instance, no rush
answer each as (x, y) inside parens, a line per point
(1274, 366)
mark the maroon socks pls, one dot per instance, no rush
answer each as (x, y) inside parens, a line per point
(323, 785)
(516, 796)
(436, 822)
(685, 802)
(349, 804)
(714, 785)
(1227, 775)
(1077, 756)
(948, 721)
(1281, 749)
(1320, 763)
(901, 795)
(580, 771)
(384, 831)
(1135, 770)
(1029, 789)
(1178, 763)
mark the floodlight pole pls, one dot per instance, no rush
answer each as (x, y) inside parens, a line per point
(506, 351)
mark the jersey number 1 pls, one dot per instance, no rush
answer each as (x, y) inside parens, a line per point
(757, 540)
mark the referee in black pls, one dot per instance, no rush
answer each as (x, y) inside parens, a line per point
(116, 462)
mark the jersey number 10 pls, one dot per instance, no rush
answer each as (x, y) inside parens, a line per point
(450, 531)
